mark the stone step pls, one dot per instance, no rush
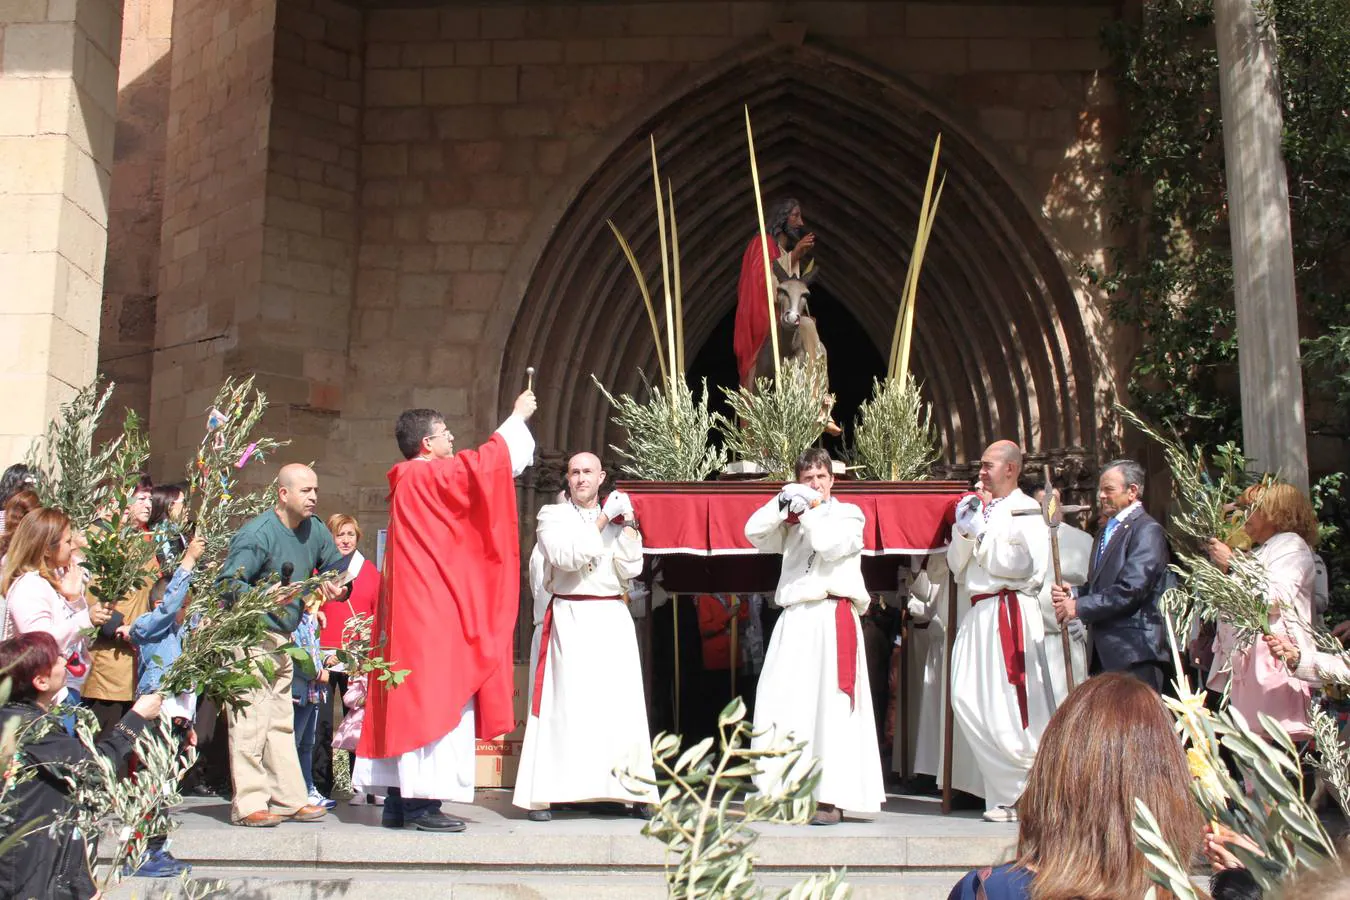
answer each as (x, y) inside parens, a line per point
(389, 884)
(908, 850)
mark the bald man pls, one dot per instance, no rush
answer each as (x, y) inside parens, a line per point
(268, 785)
(1000, 690)
(588, 714)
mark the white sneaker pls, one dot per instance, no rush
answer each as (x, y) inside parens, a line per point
(317, 799)
(1000, 814)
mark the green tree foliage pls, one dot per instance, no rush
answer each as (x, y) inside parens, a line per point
(1170, 276)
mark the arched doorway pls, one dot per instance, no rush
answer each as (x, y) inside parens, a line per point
(1001, 346)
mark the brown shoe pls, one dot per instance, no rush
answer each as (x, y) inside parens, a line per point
(308, 814)
(260, 819)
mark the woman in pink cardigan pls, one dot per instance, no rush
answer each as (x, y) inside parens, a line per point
(1283, 528)
(44, 590)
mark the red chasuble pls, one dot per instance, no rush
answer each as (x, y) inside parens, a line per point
(752, 307)
(448, 605)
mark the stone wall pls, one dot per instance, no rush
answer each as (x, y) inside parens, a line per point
(131, 273)
(259, 217)
(215, 180)
(474, 115)
(297, 344)
(58, 101)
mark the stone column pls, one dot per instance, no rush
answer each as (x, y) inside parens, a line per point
(58, 103)
(1273, 432)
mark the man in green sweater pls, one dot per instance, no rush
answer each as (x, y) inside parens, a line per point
(290, 542)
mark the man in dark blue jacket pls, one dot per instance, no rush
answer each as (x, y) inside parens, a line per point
(1119, 603)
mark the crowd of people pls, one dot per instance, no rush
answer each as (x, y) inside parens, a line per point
(1064, 763)
(63, 648)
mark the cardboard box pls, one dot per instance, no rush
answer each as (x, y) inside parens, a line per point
(497, 761)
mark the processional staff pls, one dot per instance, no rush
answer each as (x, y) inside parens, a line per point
(1052, 513)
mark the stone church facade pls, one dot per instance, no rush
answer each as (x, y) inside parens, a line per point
(371, 207)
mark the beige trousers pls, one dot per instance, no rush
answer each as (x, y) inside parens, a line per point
(264, 764)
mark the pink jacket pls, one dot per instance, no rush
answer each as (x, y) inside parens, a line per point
(1260, 682)
(348, 732)
(34, 605)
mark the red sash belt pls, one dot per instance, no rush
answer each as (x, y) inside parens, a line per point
(846, 647)
(1014, 643)
(546, 635)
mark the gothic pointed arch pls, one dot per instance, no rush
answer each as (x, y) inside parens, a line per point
(1002, 345)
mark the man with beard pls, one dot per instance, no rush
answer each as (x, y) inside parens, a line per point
(790, 247)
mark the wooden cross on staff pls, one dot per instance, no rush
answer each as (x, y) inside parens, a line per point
(1053, 514)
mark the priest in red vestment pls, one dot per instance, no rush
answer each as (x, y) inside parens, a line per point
(787, 236)
(447, 612)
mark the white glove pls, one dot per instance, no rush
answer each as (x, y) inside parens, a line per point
(798, 498)
(618, 508)
(970, 517)
(918, 610)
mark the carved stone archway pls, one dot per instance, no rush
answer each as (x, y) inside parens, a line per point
(1001, 345)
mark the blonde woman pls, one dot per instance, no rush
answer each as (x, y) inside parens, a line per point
(44, 590)
(1283, 529)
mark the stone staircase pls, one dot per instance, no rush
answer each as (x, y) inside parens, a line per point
(909, 851)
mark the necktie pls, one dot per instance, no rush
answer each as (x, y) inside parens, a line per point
(1106, 536)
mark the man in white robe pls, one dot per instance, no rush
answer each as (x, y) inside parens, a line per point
(928, 603)
(1001, 695)
(814, 686)
(588, 713)
(539, 592)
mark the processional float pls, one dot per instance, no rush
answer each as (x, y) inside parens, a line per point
(696, 526)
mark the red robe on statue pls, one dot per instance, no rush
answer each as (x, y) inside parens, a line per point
(448, 606)
(752, 307)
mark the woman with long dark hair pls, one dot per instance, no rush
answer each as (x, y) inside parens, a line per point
(168, 513)
(1111, 741)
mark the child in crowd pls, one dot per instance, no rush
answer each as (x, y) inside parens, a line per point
(309, 693)
(158, 638)
(348, 733)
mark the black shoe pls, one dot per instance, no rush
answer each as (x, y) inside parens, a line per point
(540, 815)
(827, 815)
(964, 801)
(607, 808)
(435, 821)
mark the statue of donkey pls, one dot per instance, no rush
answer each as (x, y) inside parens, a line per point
(798, 340)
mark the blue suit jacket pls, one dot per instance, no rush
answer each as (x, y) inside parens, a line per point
(1119, 603)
